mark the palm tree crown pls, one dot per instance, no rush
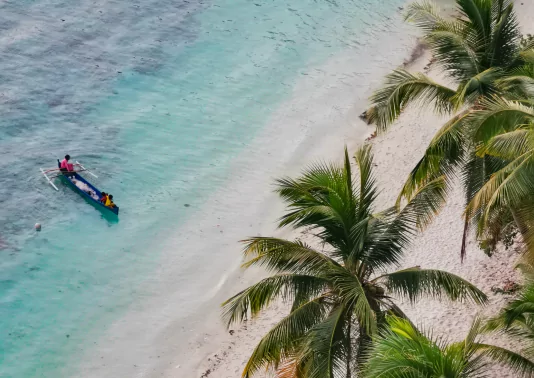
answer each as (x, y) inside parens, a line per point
(339, 295)
(402, 351)
(480, 52)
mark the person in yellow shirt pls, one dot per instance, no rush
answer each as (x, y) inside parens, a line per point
(109, 201)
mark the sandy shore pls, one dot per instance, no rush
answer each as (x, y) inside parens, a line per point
(438, 247)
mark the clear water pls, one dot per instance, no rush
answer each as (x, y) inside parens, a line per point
(160, 98)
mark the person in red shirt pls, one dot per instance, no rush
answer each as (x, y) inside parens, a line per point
(66, 167)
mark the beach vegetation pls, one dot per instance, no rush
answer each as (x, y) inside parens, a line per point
(402, 351)
(489, 75)
(341, 283)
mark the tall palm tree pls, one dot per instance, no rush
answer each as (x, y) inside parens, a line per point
(480, 51)
(340, 294)
(402, 351)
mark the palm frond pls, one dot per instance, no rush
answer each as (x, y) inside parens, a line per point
(454, 52)
(509, 145)
(527, 55)
(519, 364)
(279, 255)
(505, 37)
(496, 116)
(402, 352)
(518, 83)
(508, 187)
(354, 297)
(322, 198)
(402, 88)
(260, 295)
(391, 231)
(442, 157)
(282, 341)
(518, 309)
(478, 85)
(424, 15)
(425, 204)
(475, 173)
(416, 282)
(367, 191)
(325, 346)
(479, 14)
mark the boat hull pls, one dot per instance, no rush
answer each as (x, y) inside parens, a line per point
(96, 203)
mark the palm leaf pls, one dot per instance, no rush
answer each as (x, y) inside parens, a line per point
(442, 157)
(519, 364)
(354, 297)
(282, 341)
(416, 282)
(425, 204)
(402, 88)
(505, 37)
(279, 255)
(497, 116)
(403, 352)
(454, 52)
(479, 15)
(508, 187)
(479, 84)
(424, 15)
(260, 295)
(325, 345)
(367, 191)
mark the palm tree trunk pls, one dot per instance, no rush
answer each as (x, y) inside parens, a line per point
(349, 347)
(521, 226)
(364, 341)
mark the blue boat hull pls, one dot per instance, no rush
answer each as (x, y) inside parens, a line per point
(98, 204)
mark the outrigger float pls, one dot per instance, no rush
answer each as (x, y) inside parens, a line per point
(79, 184)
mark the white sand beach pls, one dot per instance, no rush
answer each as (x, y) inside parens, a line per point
(438, 247)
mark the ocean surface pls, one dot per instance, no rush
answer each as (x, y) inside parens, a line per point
(182, 108)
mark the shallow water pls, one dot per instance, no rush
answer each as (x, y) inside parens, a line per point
(161, 98)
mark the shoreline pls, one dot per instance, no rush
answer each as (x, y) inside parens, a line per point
(437, 247)
(169, 332)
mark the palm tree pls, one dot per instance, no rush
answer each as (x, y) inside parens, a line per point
(340, 294)
(516, 319)
(503, 130)
(402, 351)
(480, 51)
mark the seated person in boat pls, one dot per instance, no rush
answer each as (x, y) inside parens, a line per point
(109, 201)
(66, 167)
(104, 197)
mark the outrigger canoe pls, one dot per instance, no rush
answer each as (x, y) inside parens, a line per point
(81, 186)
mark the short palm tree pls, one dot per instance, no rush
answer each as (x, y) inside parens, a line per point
(516, 319)
(341, 294)
(402, 351)
(481, 53)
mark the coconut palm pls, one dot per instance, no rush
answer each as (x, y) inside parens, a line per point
(516, 319)
(339, 294)
(504, 130)
(402, 351)
(481, 53)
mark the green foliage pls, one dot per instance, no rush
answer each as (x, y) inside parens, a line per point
(402, 351)
(339, 296)
(492, 68)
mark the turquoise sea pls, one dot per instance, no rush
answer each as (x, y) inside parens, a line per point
(161, 98)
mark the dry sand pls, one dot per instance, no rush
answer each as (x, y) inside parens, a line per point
(438, 247)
